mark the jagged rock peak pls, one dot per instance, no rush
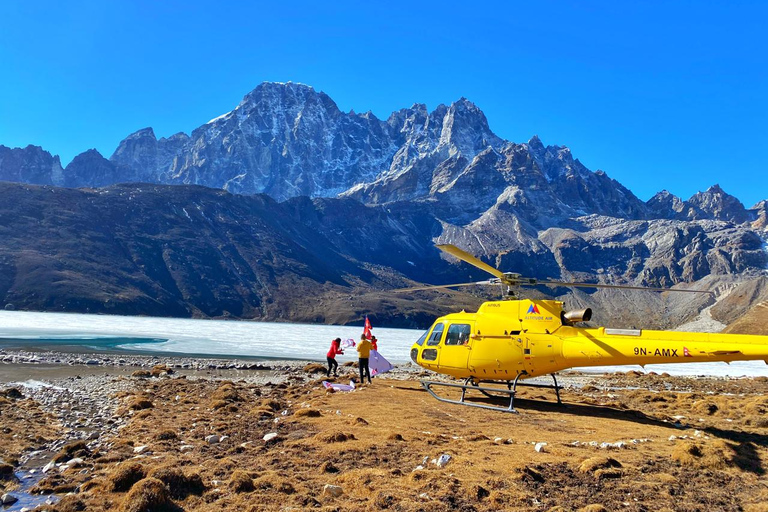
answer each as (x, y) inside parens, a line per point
(144, 132)
(288, 93)
(718, 204)
(535, 143)
(666, 205)
(31, 164)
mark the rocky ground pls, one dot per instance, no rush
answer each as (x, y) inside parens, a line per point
(136, 433)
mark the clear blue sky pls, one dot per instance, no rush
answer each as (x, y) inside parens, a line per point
(660, 95)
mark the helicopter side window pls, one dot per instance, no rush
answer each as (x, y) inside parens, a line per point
(458, 334)
(436, 336)
(421, 339)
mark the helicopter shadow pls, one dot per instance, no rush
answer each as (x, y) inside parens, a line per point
(742, 446)
(571, 408)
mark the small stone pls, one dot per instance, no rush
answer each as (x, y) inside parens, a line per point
(140, 449)
(332, 490)
(498, 440)
(540, 447)
(75, 463)
(267, 438)
(8, 499)
(424, 497)
(212, 439)
(672, 437)
(49, 467)
(443, 460)
(186, 447)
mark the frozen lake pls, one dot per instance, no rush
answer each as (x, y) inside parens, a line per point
(231, 338)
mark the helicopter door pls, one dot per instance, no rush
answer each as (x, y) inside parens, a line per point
(538, 354)
(455, 352)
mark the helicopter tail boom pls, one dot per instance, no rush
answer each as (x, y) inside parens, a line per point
(599, 347)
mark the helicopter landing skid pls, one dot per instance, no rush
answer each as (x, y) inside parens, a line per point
(471, 384)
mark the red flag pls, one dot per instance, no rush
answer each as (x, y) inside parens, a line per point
(367, 328)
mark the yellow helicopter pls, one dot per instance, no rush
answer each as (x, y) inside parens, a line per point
(511, 340)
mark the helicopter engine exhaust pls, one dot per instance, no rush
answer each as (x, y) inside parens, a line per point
(579, 315)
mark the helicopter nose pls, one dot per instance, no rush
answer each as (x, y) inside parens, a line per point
(415, 355)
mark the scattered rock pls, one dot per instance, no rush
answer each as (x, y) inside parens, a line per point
(213, 439)
(540, 447)
(269, 437)
(12, 393)
(75, 463)
(332, 490)
(443, 460)
(8, 499)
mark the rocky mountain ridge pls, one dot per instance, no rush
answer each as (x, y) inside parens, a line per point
(194, 251)
(288, 140)
(371, 195)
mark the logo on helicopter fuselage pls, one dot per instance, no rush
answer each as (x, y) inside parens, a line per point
(534, 310)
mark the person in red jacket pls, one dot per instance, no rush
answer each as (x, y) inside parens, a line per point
(331, 356)
(374, 343)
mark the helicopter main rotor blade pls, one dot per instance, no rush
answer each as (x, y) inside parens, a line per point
(623, 287)
(438, 286)
(468, 258)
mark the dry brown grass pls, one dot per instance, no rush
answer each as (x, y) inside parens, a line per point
(272, 481)
(227, 392)
(240, 481)
(334, 437)
(594, 463)
(595, 507)
(70, 503)
(712, 455)
(308, 413)
(314, 368)
(179, 483)
(72, 450)
(382, 433)
(148, 495)
(125, 475)
(166, 435)
(138, 403)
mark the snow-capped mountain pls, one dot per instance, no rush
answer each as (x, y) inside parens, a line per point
(422, 177)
